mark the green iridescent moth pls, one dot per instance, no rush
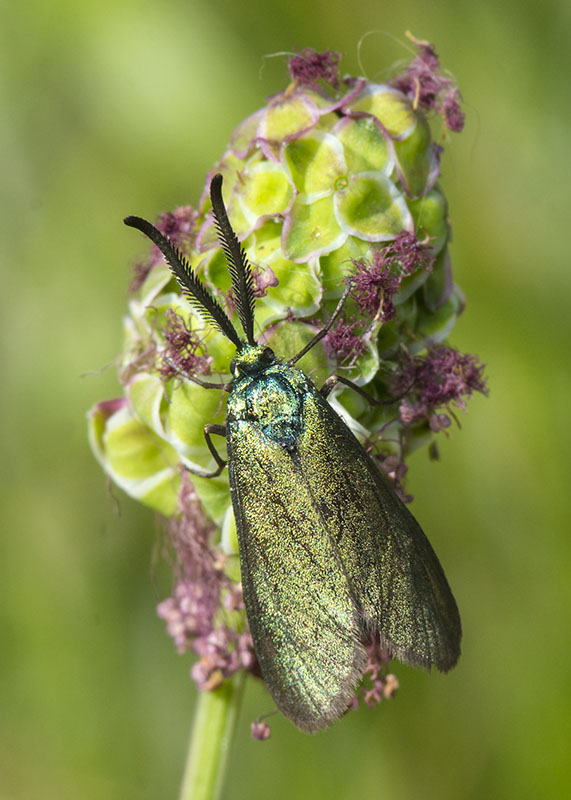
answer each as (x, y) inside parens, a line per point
(329, 554)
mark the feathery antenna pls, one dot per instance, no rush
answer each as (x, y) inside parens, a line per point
(192, 287)
(240, 270)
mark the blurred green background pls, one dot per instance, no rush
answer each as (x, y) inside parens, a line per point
(122, 107)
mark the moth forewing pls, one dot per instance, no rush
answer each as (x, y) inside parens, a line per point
(394, 573)
(301, 609)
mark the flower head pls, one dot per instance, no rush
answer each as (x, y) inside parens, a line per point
(332, 183)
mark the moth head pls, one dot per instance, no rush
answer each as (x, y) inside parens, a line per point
(252, 360)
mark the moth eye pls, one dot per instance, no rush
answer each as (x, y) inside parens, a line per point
(267, 353)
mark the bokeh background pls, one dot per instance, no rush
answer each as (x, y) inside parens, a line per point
(122, 106)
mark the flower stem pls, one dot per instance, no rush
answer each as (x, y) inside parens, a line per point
(210, 740)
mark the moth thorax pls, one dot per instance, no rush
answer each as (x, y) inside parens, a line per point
(272, 399)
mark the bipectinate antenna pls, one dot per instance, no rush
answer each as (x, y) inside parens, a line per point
(240, 270)
(192, 287)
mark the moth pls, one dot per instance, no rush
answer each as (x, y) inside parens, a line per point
(329, 555)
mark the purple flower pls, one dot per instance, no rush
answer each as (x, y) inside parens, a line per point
(376, 684)
(374, 283)
(178, 225)
(409, 253)
(260, 730)
(179, 355)
(205, 611)
(341, 341)
(263, 279)
(308, 67)
(395, 470)
(440, 379)
(373, 286)
(423, 84)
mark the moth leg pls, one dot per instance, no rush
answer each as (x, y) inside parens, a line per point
(219, 430)
(205, 384)
(323, 332)
(225, 387)
(332, 382)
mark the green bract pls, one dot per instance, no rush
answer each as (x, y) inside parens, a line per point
(311, 181)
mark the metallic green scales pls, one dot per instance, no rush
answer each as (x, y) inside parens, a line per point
(328, 551)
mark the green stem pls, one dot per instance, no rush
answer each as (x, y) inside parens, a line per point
(210, 740)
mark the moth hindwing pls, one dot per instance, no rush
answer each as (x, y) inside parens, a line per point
(329, 555)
